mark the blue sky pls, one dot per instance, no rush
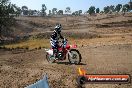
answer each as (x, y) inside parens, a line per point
(62, 4)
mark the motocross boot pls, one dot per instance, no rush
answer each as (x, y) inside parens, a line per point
(55, 51)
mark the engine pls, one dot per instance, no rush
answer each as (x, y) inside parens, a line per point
(60, 55)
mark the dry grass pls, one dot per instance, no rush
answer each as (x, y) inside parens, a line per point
(33, 44)
(36, 44)
(30, 44)
(44, 43)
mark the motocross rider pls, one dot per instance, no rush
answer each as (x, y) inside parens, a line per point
(56, 35)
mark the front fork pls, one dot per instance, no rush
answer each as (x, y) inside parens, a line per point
(70, 53)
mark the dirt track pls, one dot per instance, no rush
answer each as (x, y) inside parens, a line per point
(20, 70)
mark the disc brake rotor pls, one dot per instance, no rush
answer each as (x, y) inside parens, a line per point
(74, 56)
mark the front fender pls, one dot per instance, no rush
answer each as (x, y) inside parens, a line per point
(73, 46)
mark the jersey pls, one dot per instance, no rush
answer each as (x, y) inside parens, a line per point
(54, 39)
(56, 36)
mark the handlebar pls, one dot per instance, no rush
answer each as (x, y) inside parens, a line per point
(63, 40)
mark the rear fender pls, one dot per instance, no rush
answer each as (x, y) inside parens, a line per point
(49, 51)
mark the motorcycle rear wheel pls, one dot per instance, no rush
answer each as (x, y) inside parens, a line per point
(76, 57)
(50, 58)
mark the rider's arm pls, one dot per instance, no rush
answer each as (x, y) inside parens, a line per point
(53, 36)
(61, 36)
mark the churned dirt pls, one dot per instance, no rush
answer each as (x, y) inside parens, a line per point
(20, 70)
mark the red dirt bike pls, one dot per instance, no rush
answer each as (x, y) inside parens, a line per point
(64, 50)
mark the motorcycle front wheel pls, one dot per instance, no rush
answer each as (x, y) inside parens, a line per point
(50, 58)
(75, 57)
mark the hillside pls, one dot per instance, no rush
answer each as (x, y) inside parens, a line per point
(115, 23)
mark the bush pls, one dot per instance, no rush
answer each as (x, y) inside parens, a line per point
(17, 47)
(39, 47)
(6, 19)
(26, 47)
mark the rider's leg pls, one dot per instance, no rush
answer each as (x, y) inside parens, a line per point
(55, 50)
(54, 47)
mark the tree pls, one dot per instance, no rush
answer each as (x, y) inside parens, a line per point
(25, 10)
(6, 17)
(101, 12)
(106, 9)
(44, 10)
(49, 13)
(97, 10)
(91, 10)
(118, 7)
(73, 13)
(125, 8)
(112, 8)
(60, 12)
(30, 12)
(76, 13)
(35, 13)
(68, 10)
(79, 12)
(16, 9)
(54, 11)
(18, 12)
